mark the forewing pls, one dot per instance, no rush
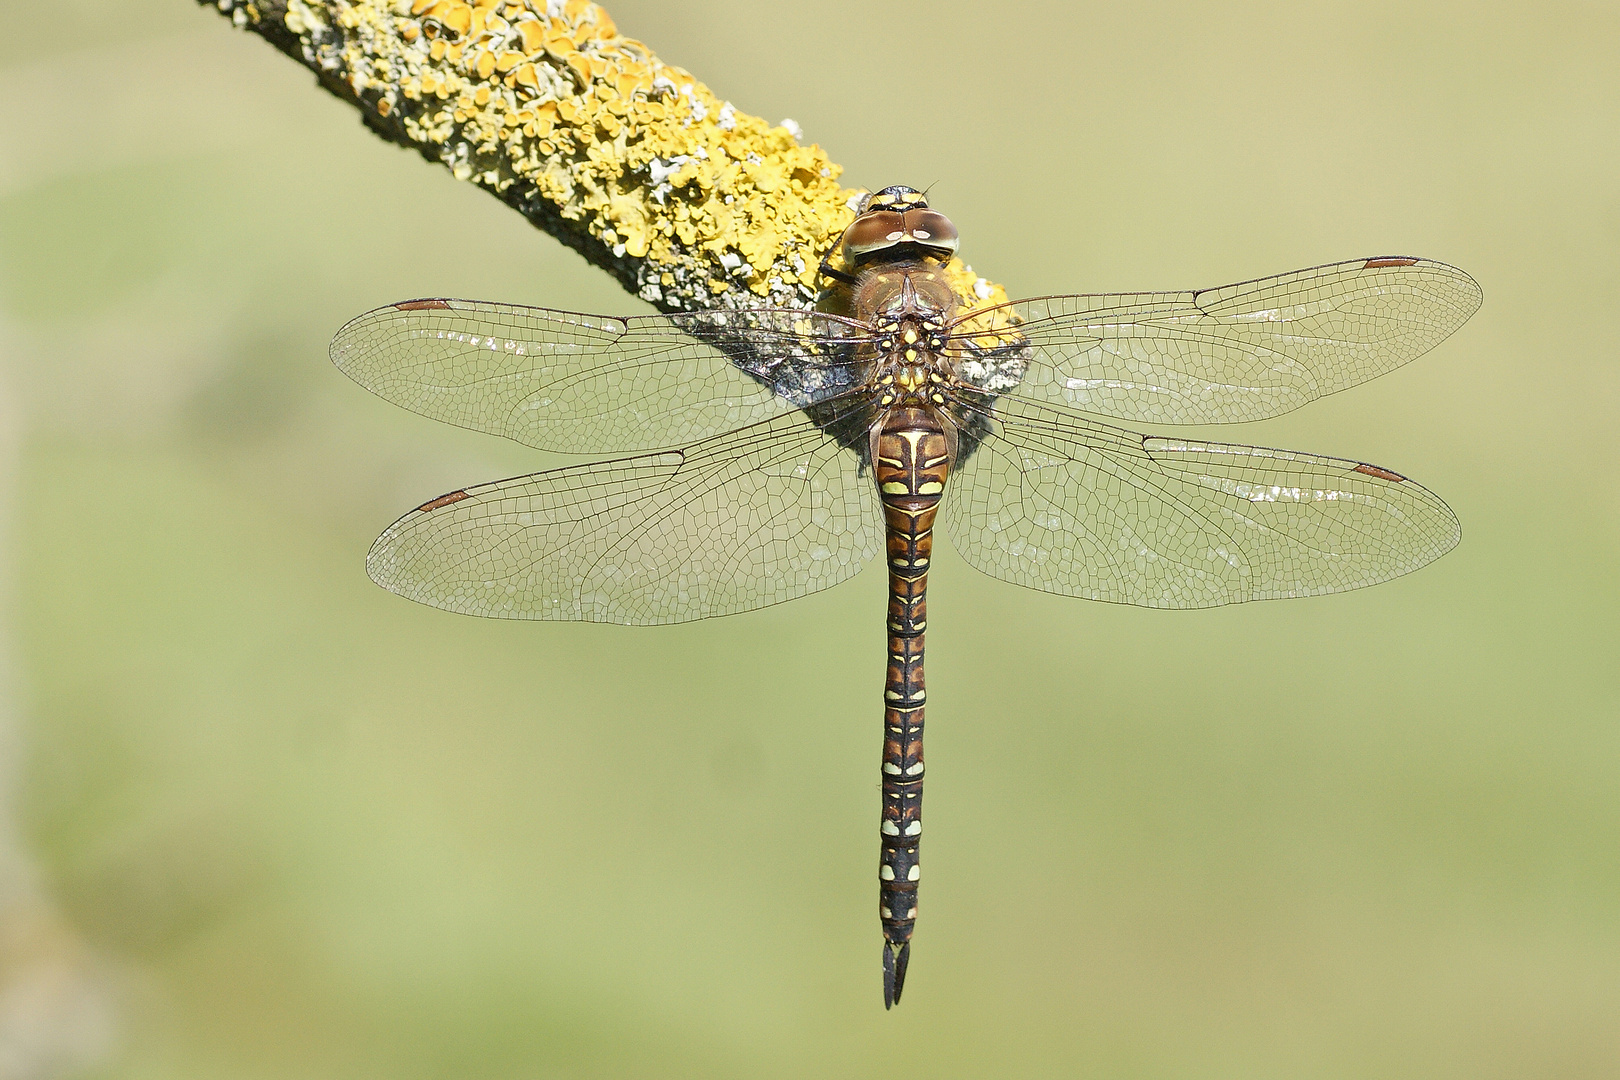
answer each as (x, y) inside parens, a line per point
(577, 383)
(736, 522)
(1056, 502)
(1234, 353)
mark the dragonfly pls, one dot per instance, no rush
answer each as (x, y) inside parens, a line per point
(768, 453)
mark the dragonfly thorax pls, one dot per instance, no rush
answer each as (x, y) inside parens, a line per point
(911, 368)
(909, 335)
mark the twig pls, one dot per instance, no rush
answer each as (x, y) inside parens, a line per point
(686, 201)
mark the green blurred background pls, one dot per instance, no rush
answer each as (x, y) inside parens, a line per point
(266, 820)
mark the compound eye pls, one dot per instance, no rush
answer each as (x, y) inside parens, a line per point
(873, 231)
(932, 229)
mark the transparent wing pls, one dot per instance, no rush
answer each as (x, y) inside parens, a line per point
(576, 383)
(1056, 502)
(1235, 353)
(736, 522)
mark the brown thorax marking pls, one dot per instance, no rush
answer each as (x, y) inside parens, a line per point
(911, 368)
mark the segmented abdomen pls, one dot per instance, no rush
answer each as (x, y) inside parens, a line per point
(911, 461)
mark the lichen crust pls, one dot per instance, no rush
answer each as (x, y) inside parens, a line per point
(689, 201)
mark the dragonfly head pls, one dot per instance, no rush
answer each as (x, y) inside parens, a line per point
(896, 223)
(896, 198)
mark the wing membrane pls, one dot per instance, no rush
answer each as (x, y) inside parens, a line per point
(1235, 353)
(736, 522)
(577, 383)
(1053, 501)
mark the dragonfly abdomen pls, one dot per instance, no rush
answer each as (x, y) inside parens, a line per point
(910, 462)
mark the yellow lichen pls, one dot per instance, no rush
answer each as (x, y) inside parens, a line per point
(691, 198)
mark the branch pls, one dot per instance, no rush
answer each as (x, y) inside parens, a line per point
(633, 163)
